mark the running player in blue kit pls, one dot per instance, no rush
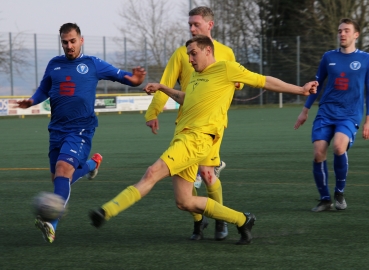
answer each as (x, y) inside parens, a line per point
(70, 82)
(340, 111)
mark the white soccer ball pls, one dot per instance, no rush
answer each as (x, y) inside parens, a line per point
(48, 205)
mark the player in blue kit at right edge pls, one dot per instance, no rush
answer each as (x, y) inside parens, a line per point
(70, 82)
(340, 112)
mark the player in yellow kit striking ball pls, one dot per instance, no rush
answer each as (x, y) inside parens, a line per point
(204, 110)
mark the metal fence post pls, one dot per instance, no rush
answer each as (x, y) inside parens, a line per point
(104, 57)
(11, 65)
(298, 66)
(165, 51)
(36, 66)
(261, 68)
(83, 47)
(146, 62)
(125, 59)
(59, 45)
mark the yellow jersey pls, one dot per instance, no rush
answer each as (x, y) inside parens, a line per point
(179, 68)
(209, 95)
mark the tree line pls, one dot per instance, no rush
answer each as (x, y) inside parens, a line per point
(266, 32)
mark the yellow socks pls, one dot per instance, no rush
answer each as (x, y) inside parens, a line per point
(122, 201)
(196, 216)
(220, 212)
(215, 191)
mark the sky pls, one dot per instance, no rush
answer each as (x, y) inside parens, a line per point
(94, 17)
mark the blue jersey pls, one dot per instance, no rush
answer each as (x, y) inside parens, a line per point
(71, 87)
(343, 96)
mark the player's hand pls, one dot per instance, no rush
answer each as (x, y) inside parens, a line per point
(138, 76)
(152, 88)
(366, 131)
(154, 125)
(24, 104)
(310, 88)
(301, 119)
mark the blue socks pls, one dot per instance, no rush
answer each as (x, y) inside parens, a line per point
(62, 184)
(80, 172)
(320, 172)
(62, 188)
(340, 169)
(91, 164)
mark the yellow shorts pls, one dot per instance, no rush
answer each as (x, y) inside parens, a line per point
(185, 152)
(213, 159)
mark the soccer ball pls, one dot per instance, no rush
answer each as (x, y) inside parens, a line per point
(48, 205)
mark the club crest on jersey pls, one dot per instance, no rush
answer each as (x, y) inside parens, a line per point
(355, 65)
(82, 68)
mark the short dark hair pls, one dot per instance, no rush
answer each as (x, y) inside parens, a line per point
(203, 11)
(353, 22)
(67, 27)
(202, 42)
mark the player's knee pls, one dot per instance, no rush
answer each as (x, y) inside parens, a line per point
(65, 165)
(183, 205)
(151, 176)
(339, 149)
(320, 156)
(63, 168)
(150, 172)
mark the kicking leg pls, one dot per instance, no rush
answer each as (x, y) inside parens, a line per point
(210, 208)
(130, 195)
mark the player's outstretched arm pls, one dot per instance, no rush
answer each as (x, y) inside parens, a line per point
(138, 76)
(176, 95)
(154, 125)
(301, 119)
(277, 85)
(24, 104)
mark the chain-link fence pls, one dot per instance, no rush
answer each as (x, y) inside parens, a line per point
(24, 57)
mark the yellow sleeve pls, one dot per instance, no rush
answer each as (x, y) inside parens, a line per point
(170, 76)
(225, 53)
(233, 59)
(238, 73)
(156, 106)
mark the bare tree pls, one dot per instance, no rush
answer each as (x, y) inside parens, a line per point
(13, 54)
(361, 14)
(3, 54)
(151, 30)
(320, 19)
(314, 23)
(327, 14)
(237, 24)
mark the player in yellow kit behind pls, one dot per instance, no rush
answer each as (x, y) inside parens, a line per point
(201, 22)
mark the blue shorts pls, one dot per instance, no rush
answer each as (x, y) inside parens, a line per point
(74, 143)
(324, 129)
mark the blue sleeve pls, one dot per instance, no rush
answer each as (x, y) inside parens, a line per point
(106, 71)
(367, 91)
(320, 76)
(42, 92)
